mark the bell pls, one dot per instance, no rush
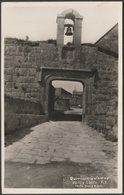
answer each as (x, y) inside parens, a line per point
(68, 32)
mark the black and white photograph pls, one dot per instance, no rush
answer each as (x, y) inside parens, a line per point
(61, 100)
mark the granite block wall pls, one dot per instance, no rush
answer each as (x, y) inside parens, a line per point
(20, 121)
(104, 104)
(20, 106)
(21, 114)
(22, 70)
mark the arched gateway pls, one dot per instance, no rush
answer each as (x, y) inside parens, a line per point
(86, 77)
(67, 68)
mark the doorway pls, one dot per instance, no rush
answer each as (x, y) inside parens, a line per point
(48, 75)
(65, 100)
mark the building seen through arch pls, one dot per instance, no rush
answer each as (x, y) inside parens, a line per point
(65, 99)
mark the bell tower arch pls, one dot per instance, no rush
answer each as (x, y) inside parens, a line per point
(74, 28)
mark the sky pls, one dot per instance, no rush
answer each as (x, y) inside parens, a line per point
(68, 85)
(37, 20)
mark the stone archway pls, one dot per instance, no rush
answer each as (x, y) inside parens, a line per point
(77, 24)
(62, 107)
(86, 77)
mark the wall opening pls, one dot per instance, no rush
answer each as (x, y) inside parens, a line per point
(66, 100)
(69, 23)
(69, 32)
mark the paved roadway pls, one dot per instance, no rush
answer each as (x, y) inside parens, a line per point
(53, 149)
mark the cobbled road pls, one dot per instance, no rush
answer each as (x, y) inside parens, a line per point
(60, 148)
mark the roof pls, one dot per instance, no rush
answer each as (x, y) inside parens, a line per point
(61, 90)
(101, 38)
(108, 43)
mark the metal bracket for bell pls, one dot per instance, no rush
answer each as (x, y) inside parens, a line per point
(69, 29)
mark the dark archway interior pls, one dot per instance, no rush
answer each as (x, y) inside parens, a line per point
(65, 100)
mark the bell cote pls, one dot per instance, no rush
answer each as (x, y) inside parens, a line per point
(69, 27)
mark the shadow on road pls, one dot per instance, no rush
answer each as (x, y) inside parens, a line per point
(16, 135)
(50, 175)
(61, 116)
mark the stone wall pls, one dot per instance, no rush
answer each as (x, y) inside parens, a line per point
(62, 104)
(20, 106)
(22, 68)
(22, 73)
(15, 122)
(22, 64)
(21, 114)
(104, 106)
(76, 101)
